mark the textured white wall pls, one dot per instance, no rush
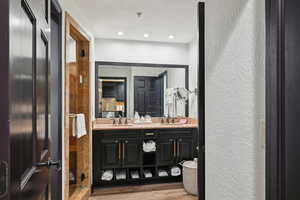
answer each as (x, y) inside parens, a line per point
(235, 103)
(141, 52)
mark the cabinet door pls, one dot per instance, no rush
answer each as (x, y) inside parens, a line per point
(131, 152)
(185, 149)
(111, 153)
(166, 151)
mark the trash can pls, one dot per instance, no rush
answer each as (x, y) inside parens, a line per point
(190, 177)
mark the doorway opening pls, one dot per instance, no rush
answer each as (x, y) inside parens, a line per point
(119, 156)
(77, 111)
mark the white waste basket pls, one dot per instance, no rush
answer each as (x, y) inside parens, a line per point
(190, 177)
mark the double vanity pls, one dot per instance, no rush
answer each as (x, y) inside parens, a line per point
(119, 148)
(142, 132)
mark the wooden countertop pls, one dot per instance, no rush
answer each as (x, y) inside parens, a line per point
(100, 127)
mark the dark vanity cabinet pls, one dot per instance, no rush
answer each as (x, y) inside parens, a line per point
(175, 146)
(184, 148)
(166, 151)
(117, 150)
(131, 152)
(123, 150)
(110, 153)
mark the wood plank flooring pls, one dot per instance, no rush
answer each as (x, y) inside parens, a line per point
(136, 188)
(169, 194)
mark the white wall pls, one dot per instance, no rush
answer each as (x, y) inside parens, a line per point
(193, 79)
(141, 52)
(176, 79)
(235, 102)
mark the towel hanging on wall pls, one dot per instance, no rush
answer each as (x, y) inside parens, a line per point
(80, 125)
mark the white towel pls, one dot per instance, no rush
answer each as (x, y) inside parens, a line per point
(149, 146)
(121, 175)
(175, 171)
(80, 125)
(147, 173)
(107, 175)
(162, 173)
(134, 174)
(73, 121)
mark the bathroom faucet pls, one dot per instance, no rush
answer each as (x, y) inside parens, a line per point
(120, 121)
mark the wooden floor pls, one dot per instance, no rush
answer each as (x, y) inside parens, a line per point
(170, 194)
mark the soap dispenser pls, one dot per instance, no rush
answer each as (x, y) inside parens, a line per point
(136, 117)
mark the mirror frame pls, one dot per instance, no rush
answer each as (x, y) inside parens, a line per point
(128, 64)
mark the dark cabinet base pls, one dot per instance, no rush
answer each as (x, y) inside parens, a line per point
(123, 151)
(155, 180)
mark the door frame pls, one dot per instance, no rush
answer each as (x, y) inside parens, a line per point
(57, 9)
(4, 88)
(275, 53)
(201, 101)
(73, 28)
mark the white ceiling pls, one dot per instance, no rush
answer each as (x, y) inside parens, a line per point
(160, 18)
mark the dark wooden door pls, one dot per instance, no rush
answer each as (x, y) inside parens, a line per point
(131, 152)
(166, 151)
(291, 109)
(111, 153)
(148, 96)
(29, 100)
(283, 100)
(185, 148)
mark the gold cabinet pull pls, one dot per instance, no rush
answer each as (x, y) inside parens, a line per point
(174, 145)
(178, 149)
(123, 151)
(120, 149)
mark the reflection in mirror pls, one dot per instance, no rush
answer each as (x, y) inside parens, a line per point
(123, 91)
(112, 97)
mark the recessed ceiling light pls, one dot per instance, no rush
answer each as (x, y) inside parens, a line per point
(120, 33)
(146, 35)
(171, 36)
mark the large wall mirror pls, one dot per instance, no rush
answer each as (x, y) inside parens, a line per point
(124, 89)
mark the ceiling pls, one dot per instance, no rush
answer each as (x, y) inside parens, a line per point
(159, 19)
